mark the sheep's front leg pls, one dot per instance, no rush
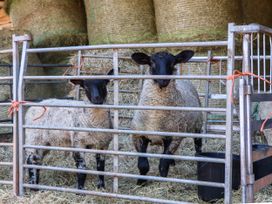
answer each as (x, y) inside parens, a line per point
(80, 164)
(100, 164)
(33, 173)
(170, 147)
(198, 145)
(141, 145)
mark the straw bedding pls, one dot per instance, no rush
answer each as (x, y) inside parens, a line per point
(120, 21)
(183, 20)
(161, 190)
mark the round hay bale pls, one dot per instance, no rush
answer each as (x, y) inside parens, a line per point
(185, 20)
(120, 21)
(52, 23)
(257, 11)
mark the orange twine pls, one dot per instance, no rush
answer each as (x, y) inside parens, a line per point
(238, 74)
(14, 107)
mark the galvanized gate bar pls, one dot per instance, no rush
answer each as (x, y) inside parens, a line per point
(194, 77)
(15, 70)
(197, 109)
(123, 153)
(103, 194)
(21, 130)
(248, 90)
(115, 121)
(124, 46)
(166, 134)
(229, 118)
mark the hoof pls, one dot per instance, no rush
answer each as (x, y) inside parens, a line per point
(141, 182)
(101, 185)
(173, 163)
(34, 189)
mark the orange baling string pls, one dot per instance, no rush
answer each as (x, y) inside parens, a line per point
(264, 122)
(237, 74)
(14, 107)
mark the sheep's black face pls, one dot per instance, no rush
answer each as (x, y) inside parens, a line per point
(162, 63)
(95, 89)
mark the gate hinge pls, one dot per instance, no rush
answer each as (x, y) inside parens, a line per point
(248, 90)
(250, 178)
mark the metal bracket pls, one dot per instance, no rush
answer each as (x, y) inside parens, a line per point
(248, 90)
(22, 38)
(250, 179)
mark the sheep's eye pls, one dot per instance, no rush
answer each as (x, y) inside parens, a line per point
(153, 65)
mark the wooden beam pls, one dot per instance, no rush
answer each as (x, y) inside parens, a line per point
(262, 182)
(261, 153)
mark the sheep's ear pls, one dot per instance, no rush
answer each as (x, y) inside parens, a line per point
(111, 72)
(77, 82)
(141, 58)
(184, 56)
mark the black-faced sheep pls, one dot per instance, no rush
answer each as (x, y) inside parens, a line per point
(165, 92)
(96, 92)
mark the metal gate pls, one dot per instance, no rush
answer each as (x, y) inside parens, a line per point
(12, 80)
(117, 131)
(257, 59)
(209, 132)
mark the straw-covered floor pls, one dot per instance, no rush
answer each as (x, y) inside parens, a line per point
(161, 190)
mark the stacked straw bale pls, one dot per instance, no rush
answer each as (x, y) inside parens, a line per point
(185, 20)
(52, 23)
(257, 11)
(120, 21)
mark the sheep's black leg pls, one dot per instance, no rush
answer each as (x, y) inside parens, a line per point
(100, 164)
(34, 174)
(80, 164)
(165, 163)
(198, 145)
(143, 165)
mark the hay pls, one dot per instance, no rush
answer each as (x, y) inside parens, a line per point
(163, 190)
(184, 20)
(52, 23)
(120, 21)
(257, 11)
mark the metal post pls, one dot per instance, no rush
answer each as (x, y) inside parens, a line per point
(15, 68)
(249, 167)
(115, 121)
(23, 68)
(243, 138)
(229, 118)
(207, 92)
(77, 94)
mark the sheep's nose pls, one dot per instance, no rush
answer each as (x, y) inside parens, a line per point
(97, 100)
(163, 82)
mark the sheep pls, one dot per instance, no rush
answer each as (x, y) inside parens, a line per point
(165, 92)
(96, 92)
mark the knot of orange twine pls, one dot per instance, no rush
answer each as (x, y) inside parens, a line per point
(14, 107)
(237, 74)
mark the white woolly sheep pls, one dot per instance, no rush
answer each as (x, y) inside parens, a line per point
(96, 91)
(164, 92)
